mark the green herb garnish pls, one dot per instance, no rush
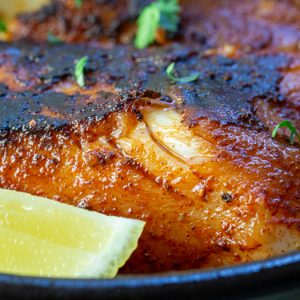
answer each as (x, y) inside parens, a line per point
(53, 39)
(78, 3)
(160, 13)
(79, 70)
(185, 79)
(3, 27)
(288, 125)
(148, 23)
(169, 14)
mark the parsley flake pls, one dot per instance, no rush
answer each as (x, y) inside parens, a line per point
(169, 18)
(186, 79)
(53, 39)
(159, 14)
(78, 3)
(290, 126)
(3, 27)
(79, 70)
(148, 23)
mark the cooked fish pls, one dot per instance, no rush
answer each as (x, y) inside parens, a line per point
(232, 25)
(195, 160)
(95, 20)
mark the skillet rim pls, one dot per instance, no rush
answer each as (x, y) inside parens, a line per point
(278, 276)
(290, 260)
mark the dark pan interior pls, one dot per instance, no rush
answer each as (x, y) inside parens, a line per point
(277, 278)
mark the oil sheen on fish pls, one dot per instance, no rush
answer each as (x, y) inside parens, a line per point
(196, 161)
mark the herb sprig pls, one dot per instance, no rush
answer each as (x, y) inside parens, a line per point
(3, 26)
(159, 14)
(78, 3)
(288, 125)
(53, 39)
(79, 70)
(186, 79)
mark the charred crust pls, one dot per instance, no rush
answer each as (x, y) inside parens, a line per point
(43, 14)
(20, 109)
(95, 20)
(224, 92)
(201, 23)
(227, 197)
(99, 157)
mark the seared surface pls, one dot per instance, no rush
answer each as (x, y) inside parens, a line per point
(96, 20)
(225, 91)
(195, 161)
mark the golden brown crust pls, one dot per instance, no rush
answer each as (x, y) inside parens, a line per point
(228, 194)
(229, 210)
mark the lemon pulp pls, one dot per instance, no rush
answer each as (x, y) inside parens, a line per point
(41, 237)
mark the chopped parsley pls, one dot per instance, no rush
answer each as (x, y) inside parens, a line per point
(79, 70)
(3, 26)
(169, 14)
(288, 125)
(78, 3)
(53, 39)
(170, 72)
(159, 14)
(148, 23)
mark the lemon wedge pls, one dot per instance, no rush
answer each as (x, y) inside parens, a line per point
(41, 237)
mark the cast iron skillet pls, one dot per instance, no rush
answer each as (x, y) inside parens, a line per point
(277, 278)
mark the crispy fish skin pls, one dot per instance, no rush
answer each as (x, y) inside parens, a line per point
(195, 161)
(231, 25)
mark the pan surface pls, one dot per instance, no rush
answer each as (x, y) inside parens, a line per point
(277, 278)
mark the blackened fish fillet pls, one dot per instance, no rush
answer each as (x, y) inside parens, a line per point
(93, 21)
(196, 161)
(231, 25)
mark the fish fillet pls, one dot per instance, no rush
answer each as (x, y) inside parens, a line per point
(196, 161)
